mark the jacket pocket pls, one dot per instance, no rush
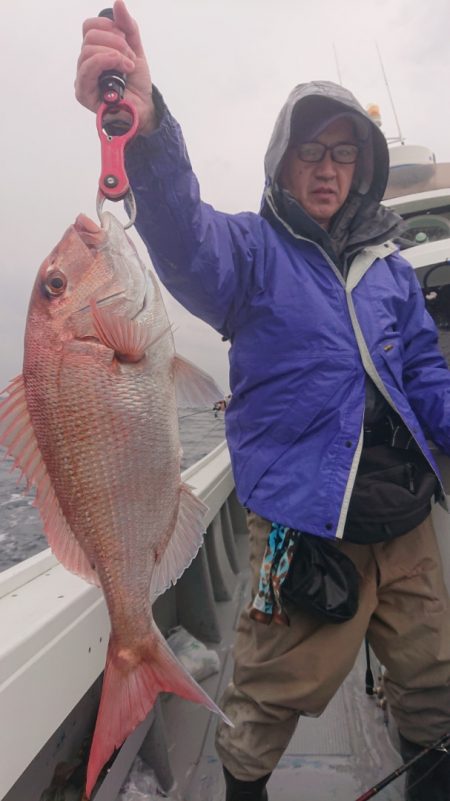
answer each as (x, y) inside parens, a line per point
(298, 416)
(319, 382)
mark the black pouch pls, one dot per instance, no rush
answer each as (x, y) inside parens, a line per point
(392, 494)
(321, 580)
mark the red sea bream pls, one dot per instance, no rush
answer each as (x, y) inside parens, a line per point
(92, 425)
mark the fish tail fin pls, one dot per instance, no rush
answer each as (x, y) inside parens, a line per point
(131, 684)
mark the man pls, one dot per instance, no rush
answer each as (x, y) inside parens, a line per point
(336, 385)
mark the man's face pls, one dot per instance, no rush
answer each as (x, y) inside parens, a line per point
(321, 188)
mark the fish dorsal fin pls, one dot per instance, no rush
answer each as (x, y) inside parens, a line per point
(18, 437)
(128, 338)
(183, 545)
(193, 386)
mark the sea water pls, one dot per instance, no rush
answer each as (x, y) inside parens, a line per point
(21, 532)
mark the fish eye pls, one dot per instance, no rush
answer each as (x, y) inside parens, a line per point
(55, 283)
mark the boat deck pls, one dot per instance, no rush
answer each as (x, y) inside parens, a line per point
(336, 757)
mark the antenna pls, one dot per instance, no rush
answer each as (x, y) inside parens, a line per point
(337, 64)
(400, 137)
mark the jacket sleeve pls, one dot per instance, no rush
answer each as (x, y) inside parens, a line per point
(425, 374)
(209, 261)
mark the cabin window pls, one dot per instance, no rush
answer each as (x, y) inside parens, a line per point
(419, 229)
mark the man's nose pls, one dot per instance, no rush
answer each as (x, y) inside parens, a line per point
(327, 167)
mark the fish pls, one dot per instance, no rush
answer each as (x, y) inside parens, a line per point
(91, 424)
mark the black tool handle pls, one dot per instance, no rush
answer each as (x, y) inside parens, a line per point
(111, 83)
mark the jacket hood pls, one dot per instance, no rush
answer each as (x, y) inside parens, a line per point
(312, 106)
(309, 108)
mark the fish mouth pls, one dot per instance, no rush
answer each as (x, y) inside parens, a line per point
(91, 234)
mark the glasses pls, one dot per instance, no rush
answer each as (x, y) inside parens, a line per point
(341, 153)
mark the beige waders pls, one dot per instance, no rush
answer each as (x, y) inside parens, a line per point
(282, 672)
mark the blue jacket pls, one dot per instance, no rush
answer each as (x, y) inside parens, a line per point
(302, 338)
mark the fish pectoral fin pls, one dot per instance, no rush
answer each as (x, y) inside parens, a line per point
(130, 688)
(129, 339)
(193, 386)
(183, 545)
(18, 437)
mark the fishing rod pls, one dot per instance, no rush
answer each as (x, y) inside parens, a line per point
(199, 411)
(442, 744)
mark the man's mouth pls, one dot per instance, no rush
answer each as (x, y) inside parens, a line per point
(323, 191)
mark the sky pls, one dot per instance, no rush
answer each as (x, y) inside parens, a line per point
(225, 69)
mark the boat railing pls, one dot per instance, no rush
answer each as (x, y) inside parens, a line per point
(55, 630)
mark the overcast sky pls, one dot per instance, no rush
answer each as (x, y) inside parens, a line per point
(225, 68)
